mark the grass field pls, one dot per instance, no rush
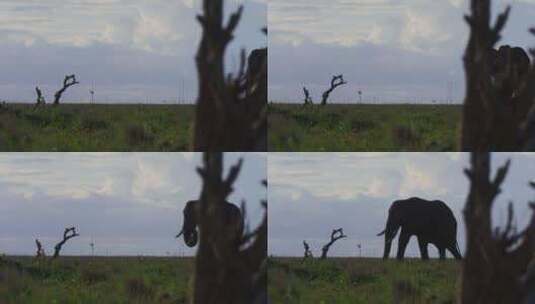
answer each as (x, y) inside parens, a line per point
(366, 281)
(96, 127)
(361, 127)
(97, 280)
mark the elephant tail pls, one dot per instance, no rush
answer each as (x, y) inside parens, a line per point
(381, 233)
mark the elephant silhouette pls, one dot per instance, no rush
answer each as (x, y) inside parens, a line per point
(256, 83)
(257, 62)
(232, 219)
(256, 75)
(432, 222)
(509, 68)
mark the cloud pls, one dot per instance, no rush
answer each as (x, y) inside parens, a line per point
(128, 50)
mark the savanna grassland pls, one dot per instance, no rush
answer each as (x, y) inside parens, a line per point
(362, 280)
(363, 127)
(97, 280)
(96, 127)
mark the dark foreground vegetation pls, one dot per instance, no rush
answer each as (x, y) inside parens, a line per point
(362, 280)
(96, 127)
(364, 127)
(96, 280)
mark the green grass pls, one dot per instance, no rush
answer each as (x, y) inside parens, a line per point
(360, 127)
(97, 280)
(97, 127)
(355, 280)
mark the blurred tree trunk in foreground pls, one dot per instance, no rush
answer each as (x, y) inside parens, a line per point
(231, 110)
(493, 121)
(227, 272)
(496, 259)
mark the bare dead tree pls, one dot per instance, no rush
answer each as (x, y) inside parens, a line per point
(40, 99)
(308, 99)
(40, 251)
(68, 234)
(308, 253)
(335, 236)
(336, 81)
(495, 260)
(69, 81)
(493, 121)
(226, 272)
(231, 110)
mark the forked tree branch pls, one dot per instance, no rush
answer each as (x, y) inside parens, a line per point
(336, 81)
(336, 235)
(69, 81)
(68, 234)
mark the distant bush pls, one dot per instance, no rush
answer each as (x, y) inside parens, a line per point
(405, 292)
(93, 123)
(94, 275)
(405, 136)
(136, 289)
(136, 135)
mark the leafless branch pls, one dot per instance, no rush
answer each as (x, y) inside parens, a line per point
(335, 236)
(68, 234)
(69, 81)
(336, 81)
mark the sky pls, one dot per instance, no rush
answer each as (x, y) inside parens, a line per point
(126, 203)
(310, 194)
(126, 50)
(391, 50)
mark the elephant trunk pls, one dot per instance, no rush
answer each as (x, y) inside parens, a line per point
(390, 232)
(189, 227)
(191, 238)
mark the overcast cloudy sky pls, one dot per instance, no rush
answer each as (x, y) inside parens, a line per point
(128, 203)
(312, 193)
(392, 50)
(130, 50)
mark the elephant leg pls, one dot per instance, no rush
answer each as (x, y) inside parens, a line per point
(423, 249)
(455, 252)
(442, 253)
(402, 244)
(388, 245)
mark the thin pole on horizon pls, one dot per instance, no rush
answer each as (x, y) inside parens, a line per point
(92, 92)
(92, 244)
(183, 90)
